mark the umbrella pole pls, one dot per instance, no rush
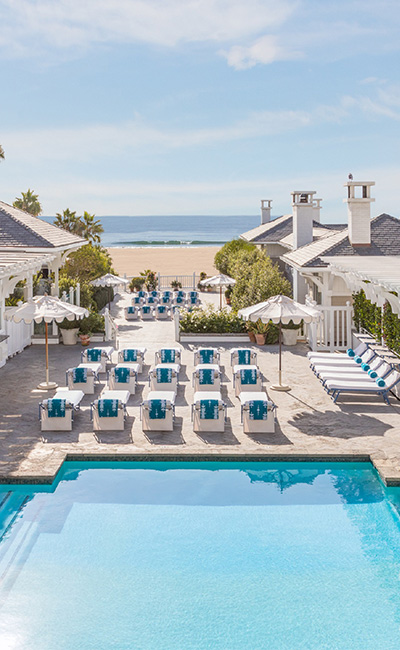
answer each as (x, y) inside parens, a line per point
(279, 385)
(220, 297)
(47, 385)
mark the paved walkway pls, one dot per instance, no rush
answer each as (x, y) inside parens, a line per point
(309, 424)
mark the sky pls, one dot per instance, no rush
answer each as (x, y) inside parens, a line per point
(157, 107)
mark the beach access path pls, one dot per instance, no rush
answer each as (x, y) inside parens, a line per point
(309, 426)
(180, 260)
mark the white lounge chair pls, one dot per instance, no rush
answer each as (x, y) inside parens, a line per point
(192, 299)
(243, 357)
(152, 301)
(137, 301)
(247, 378)
(377, 366)
(98, 355)
(208, 412)
(109, 411)
(132, 312)
(258, 412)
(335, 387)
(207, 377)
(123, 377)
(147, 312)
(57, 413)
(162, 312)
(361, 347)
(132, 355)
(168, 355)
(83, 377)
(164, 377)
(157, 412)
(206, 355)
(338, 360)
(179, 301)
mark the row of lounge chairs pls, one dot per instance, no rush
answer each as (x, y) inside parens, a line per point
(361, 371)
(157, 412)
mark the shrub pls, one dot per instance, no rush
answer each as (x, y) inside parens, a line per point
(257, 279)
(369, 316)
(136, 284)
(225, 257)
(210, 321)
(149, 279)
(102, 296)
(87, 263)
(69, 324)
(86, 290)
(175, 284)
(92, 323)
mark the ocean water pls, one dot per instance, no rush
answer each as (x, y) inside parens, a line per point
(173, 230)
(201, 556)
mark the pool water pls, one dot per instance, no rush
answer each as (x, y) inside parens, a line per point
(196, 556)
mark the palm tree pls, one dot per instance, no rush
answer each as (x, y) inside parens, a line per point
(69, 221)
(28, 202)
(2, 154)
(92, 228)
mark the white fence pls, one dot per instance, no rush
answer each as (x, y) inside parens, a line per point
(187, 281)
(334, 332)
(19, 334)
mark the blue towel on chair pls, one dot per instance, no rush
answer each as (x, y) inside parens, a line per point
(56, 407)
(351, 353)
(258, 410)
(380, 382)
(358, 360)
(131, 310)
(206, 356)
(79, 375)
(365, 367)
(161, 309)
(122, 375)
(154, 293)
(94, 355)
(179, 299)
(372, 373)
(243, 357)
(137, 300)
(142, 294)
(151, 300)
(248, 376)
(167, 356)
(130, 355)
(164, 375)
(167, 295)
(157, 409)
(206, 376)
(146, 309)
(107, 408)
(209, 409)
(165, 300)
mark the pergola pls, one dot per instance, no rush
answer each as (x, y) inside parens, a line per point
(378, 276)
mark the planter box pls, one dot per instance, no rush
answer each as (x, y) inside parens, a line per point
(187, 337)
(289, 337)
(69, 337)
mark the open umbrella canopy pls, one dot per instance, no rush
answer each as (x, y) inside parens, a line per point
(46, 308)
(218, 281)
(109, 280)
(280, 309)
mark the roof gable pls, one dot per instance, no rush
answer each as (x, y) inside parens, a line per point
(18, 229)
(272, 231)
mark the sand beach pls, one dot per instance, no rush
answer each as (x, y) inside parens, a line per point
(182, 260)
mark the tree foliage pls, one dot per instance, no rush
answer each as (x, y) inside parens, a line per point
(85, 226)
(87, 263)
(369, 316)
(29, 202)
(208, 320)
(225, 257)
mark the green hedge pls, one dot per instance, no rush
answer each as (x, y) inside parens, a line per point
(209, 321)
(369, 316)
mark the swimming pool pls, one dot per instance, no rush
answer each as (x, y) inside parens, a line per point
(195, 556)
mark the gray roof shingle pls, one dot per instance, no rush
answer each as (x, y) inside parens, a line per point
(280, 228)
(18, 229)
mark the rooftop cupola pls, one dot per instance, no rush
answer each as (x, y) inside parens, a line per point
(265, 211)
(317, 210)
(359, 211)
(303, 217)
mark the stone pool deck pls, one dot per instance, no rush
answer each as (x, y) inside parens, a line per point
(309, 425)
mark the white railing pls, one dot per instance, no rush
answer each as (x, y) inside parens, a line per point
(19, 334)
(110, 327)
(187, 281)
(334, 331)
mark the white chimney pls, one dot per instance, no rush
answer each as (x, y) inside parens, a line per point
(265, 211)
(359, 211)
(317, 210)
(303, 217)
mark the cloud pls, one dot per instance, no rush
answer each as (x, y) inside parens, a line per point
(263, 51)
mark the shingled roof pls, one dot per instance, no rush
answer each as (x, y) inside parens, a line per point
(385, 240)
(280, 229)
(18, 229)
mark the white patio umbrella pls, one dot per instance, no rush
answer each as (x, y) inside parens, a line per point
(109, 280)
(281, 309)
(219, 281)
(46, 308)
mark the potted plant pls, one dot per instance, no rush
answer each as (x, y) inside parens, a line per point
(251, 331)
(228, 295)
(69, 331)
(290, 332)
(176, 285)
(261, 330)
(136, 284)
(85, 331)
(203, 276)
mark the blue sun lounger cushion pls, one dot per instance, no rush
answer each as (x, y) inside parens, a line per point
(380, 382)
(167, 295)
(365, 367)
(351, 353)
(154, 293)
(79, 375)
(248, 376)
(94, 355)
(107, 408)
(206, 376)
(56, 407)
(151, 300)
(122, 375)
(180, 294)
(206, 356)
(130, 355)
(372, 373)
(258, 410)
(358, 360)
(180, 299)
(137, 300)
(243, 357)
(157, 409)
(161, 309)
(142, 294)
(209, 409)
(165, 300)
(167, 356)
(146, 309)
(131, 310)
(164, 375)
